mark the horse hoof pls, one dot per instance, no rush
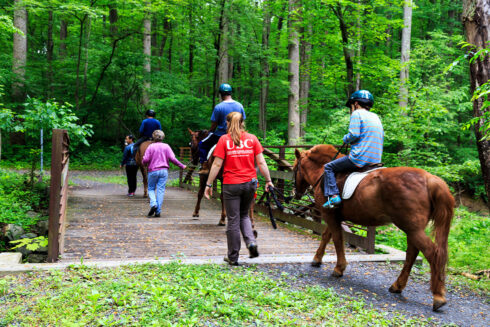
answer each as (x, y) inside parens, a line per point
(255, 233)
(393, 289)
(316, 263)
(195, 215)
(337, 274)
(221, 224)
(438, 303)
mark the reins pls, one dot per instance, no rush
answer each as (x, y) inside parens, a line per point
(272, 191)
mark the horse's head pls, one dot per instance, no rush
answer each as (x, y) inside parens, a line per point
(299, 173)
(196, 137)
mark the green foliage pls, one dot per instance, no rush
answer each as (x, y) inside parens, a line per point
(52, 115)
(181, 295)
(31, 244)
(97, 157)
(18, 198)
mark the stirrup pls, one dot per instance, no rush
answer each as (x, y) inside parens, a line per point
(332, 202)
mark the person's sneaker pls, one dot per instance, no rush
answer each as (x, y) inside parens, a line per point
(157, 215)
(130, 195)
(152, 211)
(204, 168)
(332, 201)
(231, 263)
(253, 250)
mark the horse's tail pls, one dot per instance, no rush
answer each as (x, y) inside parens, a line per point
(442, 214)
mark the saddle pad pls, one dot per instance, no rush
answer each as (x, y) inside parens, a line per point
(210, 153)
(352, 181)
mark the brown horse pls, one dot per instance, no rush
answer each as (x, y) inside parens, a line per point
(196, 137)
(407, 197)
(139, 161)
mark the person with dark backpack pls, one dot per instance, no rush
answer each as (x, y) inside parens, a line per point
(129, 163)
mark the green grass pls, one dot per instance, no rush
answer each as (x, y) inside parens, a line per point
(112, 179)
(178, 295)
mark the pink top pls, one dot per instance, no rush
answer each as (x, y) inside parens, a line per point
(158, 155)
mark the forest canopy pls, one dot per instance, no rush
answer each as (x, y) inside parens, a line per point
(292, 65)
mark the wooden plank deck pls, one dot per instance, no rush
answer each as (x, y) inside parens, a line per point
(103, 224)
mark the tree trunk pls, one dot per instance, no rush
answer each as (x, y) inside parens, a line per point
(304, 77)
(405, 53)
(85, 69)
(113, 17)
(167, 28)
(19, 53)
(49, 54)
(293, 68)
(476, 20)
(217, 47)
(145, 100)
(265, 72)
(359, 46)
(223, 68)
(63, 36)
(79, 59)
(191, 41)
(345, 45)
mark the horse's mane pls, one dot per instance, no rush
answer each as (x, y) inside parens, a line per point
(322, 153)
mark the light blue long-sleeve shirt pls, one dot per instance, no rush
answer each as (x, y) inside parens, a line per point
(366, 136)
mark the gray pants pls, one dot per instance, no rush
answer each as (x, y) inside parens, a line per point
(238, 198)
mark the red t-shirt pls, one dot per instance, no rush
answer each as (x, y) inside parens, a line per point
(239, 161)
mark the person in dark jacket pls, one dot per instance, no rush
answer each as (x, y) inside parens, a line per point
(148, 126)
(129, 162)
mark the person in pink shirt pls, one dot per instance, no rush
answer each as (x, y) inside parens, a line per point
(157, 157)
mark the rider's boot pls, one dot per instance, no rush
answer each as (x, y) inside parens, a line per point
(204, 168)
(332, 201)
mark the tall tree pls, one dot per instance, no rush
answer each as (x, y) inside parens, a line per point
(405, 52)
(265, 72)
(19, 52)
(49, 54)
(476, 20)
(145, 100)
(304, 76)
(63, 36)
(293, 69)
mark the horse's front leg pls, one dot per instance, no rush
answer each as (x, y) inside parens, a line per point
(401, 281)
(320, 252)
(252, 219)
(200, 194)
(222, 221)
(338, 240)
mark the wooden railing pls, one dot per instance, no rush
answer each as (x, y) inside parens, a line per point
(58, 193)
(304, 212)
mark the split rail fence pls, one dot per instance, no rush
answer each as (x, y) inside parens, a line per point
(304, 213)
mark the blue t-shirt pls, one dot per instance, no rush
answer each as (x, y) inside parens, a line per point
(366, 136)
(221, 111)
(148, 126)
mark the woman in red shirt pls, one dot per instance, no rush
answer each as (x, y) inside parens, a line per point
(236, 152)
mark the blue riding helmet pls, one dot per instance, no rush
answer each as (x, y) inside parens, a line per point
(362, 96)
(225, 89)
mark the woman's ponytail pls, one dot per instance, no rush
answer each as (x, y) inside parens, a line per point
(235, 126)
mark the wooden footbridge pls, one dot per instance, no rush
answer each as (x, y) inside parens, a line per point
(101, 223)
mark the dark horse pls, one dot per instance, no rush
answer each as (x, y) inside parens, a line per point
(196, 137)
(139, 161)
(407, 197)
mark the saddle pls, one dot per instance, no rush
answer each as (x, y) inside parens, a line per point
(348, 182)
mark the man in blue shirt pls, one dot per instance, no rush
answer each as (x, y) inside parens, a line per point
(365, 136)
(129, 163)
(147, 127)
(218, 124)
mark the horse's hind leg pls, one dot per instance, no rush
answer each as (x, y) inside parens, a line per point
(320, 252)
(252, 219)
(401, 281)
(222, 221)
(144, 172)
(428, 248)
